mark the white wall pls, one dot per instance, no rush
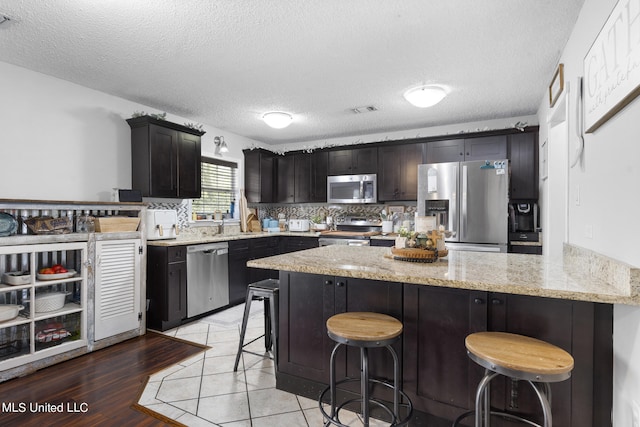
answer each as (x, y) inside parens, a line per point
(606, 182)
(62, 141)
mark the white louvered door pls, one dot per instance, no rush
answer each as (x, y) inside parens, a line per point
(117, 289)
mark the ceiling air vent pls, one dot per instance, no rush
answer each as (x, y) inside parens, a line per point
(366, 109)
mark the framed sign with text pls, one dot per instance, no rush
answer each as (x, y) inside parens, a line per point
(612, 66)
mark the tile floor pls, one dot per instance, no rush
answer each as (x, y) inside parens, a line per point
(204, 390)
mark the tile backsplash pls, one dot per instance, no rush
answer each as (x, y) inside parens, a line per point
(308, 211)
(300, 211)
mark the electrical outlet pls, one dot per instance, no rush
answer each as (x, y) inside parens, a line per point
(635, 414)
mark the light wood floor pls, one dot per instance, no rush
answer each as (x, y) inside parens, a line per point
(109, 381)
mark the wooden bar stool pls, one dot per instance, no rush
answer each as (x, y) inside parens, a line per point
(516, 356)
(268, 290)
(365, 330)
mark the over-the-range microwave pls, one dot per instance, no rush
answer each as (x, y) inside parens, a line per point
(352, 189)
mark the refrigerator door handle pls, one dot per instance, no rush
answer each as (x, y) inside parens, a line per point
(463, 204)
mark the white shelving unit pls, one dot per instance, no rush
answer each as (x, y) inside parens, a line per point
(37, 335)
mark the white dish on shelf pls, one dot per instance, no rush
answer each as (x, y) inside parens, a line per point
(9, 311)
(16, 278)
(50, 302)
(56, 276)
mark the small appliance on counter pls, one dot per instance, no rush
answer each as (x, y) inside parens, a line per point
(162, 224)
(524, 232)
(299, 225)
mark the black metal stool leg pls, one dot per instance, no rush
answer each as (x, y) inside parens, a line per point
(243, 330)
(273, 327)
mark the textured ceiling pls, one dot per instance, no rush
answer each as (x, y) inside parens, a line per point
(226, 62)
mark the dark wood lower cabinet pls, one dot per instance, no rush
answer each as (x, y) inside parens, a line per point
(438, 375)
(166, 286)
(307, 301)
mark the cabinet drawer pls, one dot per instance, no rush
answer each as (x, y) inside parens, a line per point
(177, 254)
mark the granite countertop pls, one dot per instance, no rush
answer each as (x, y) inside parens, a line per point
(581, 276)
(200, 239)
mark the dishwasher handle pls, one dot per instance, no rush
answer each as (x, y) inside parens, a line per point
(217, 249)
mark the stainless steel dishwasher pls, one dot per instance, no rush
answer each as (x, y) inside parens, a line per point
(207, 277)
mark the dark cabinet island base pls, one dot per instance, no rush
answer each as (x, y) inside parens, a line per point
(437, 373)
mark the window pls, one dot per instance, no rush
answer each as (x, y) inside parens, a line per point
(218, 186)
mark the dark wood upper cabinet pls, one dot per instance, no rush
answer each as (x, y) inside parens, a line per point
(311, 177)
(459, 150)
(485, 148)
(259, 179)
(523, 154)
(398, 171)
(353, 161)
(286, 179)
(165, 158)
(446, 150)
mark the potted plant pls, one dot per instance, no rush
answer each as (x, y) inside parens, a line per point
(318, 222)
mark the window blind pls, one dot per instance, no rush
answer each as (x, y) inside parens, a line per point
(218, 186)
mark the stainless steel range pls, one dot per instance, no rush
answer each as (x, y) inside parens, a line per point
(351, 231)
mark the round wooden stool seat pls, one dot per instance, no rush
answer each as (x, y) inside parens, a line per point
(363, 328)
(519, 356)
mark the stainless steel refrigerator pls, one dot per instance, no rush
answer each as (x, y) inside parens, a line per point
(470, 199)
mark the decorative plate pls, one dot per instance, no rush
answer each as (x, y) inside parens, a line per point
(8, 225)
(56, 276)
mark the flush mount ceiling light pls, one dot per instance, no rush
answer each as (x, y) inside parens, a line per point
(277, 119)
(425, 96)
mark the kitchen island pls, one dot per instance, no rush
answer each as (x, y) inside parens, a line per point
(566, 302)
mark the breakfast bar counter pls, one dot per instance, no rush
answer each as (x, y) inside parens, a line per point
(567, 302)
(581, 276)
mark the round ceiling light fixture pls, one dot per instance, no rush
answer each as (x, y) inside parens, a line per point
(425, 96)
(277, 119)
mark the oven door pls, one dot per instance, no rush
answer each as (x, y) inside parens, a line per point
(328, 241)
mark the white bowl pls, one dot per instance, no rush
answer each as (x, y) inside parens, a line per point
(50, 302)
(9, 311)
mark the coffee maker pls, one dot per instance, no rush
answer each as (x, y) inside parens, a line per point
(523, 217)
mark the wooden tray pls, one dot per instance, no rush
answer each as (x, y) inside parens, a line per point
(116, 224)
(417, 255)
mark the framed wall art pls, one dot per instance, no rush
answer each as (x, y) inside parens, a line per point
(612, 66)
(557, 85)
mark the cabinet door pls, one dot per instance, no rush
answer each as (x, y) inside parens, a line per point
(523, 156)
(189, 166)
(353, 295)
(447, 150)
(364, 160)
(439, 377)
(547, 319)
(319, 169)
(163, 158)
(485, 148)
(389, 173)
(411, 157)
(306, 302)
(398, 172)
(117, 288)
(176, 293)
(302, 179)
(258, 176)
(286, 179)
(340, 162)
(238, 271)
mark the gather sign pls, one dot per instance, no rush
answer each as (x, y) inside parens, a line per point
(612, 66)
